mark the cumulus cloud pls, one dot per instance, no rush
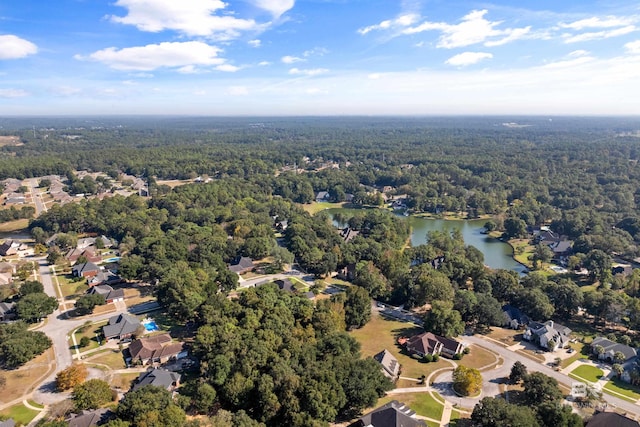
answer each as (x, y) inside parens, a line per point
(597, 22)
(291, 59)
(254, 43)
(14, 47)
(578, 53)
(472, 29)
(598, 35)
(308, 72)
(181, 55)
(401, 21)
(468, 58)
(633, 47)
(275, 7)
(190, 17)
(13, 93)
(228, 68)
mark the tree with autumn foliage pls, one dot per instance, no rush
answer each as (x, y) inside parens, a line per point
(72, 376)
(467, 381)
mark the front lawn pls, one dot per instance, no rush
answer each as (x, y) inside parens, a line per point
(381, 333)
(587, 372)
(580, 352)
(423, 403)
(478, 358)
(113, 359)
(618, 387)
(20, 414)
(92, 331)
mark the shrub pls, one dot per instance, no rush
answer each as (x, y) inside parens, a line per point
(84, 341)
(427, 358)
(436, 357)
(466, 350)
(457, 356)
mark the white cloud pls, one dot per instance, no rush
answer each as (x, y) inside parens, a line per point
(400, 22)
(275, 7)
(569, 63)
(142, 75)
(316, 51)
(13, 93)
(468, 58)
(308, 72)
(264, 63)
(190, 17)
(578, 53)
(596, 22)
(254, 43)
(66, 90)
(291, 59)
(13, 47)
(238, 90)
(598, 35)
(633, 47)
(188, 69)
(154, 56)
(228, 68)
(374, 76)
(472, 29)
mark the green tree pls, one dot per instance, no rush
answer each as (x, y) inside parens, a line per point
(33, 307)
(515, 228)
(92, 394)
(86, 303)
(518, 372)
(31, 287)
(556, 415)
(443, 320)
(496, 412)
(599, 265)
(357, 307)
(150, 406)
(540, 388)
(18, 345)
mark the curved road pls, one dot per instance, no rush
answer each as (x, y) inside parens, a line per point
(493, 377)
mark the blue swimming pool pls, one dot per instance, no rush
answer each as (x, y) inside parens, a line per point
(151, 326)
(112, 259)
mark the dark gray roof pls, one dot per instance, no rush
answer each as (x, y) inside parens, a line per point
(393, 414)
(120, 325)
(8, 423)
(89, 418)
(78, 269)
(514, 313)
(6, 307)
(240, 264)
(286, 285)
(614, 347)
(107, 292)
(157, 377)
(611, 419)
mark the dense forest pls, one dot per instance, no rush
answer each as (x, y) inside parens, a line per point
(579, 177)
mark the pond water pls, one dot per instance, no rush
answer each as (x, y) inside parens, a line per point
(497, 254)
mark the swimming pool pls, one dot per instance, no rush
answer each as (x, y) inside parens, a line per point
(112, 259)
(151, 326)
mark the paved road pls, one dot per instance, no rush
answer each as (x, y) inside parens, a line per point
(492, 377)
(37, 197)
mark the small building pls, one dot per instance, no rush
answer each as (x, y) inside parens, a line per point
(347, 272)
(9, 247)
(90, 418)
(610, 419)
(87, 269)
(548, 335)
(286, 285)
(322, 196)
(122, 326)
(348, 234)
(156, 349)
(7, 311)
(514, 318)
(393, 414)
(110, 295)
(611, 348)
(389, 364)
(241, 265)
(158, 378)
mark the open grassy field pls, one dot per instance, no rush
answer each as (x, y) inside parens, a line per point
(622, 389)
(422, 403)
(505, 336)
(587, 372)
(13, 226)
(123, 381)
(478, 358)
(380, 333)
(20, 414)
(21, 380)
(112, 358)
(315, 207)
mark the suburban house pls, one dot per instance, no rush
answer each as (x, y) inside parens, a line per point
(241, 265)
(90, 418)
(74, 254)
(348, 234)
(393, 414)
(347, 272)
(286, 285)
(429, 343)
(158, 378)
(104, 277)
(8, 423)
(7, 311)
(6, 279)
(514, 318)
(12, 247)
(547, 335)
(389, 364)
(561, 249)
(323, 196)
(110, 295)
(87, 269)
(611, 348)
(122, 326)
(610, 419)
(156, 349)
(7, 267)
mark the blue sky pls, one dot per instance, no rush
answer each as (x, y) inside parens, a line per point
(319, 57)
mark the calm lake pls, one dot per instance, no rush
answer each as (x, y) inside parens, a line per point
(497, 254)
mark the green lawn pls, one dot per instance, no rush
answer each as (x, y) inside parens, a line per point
(580, 352)
(91, 331)
(478, 358)
(422, 403)
(623, 388)
(20, 414)
(587, 372)
(112, 359)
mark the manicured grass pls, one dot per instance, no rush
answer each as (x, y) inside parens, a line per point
(587, 372)
(579, 349)
(315, 207)
(20, 414)
(423, 403)
(380, 333)
(91, 331)
(35, 404)
(622, 388)
(70, 288)
(112, 359)
(13, 226)
(505, 336)
(478, 358)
